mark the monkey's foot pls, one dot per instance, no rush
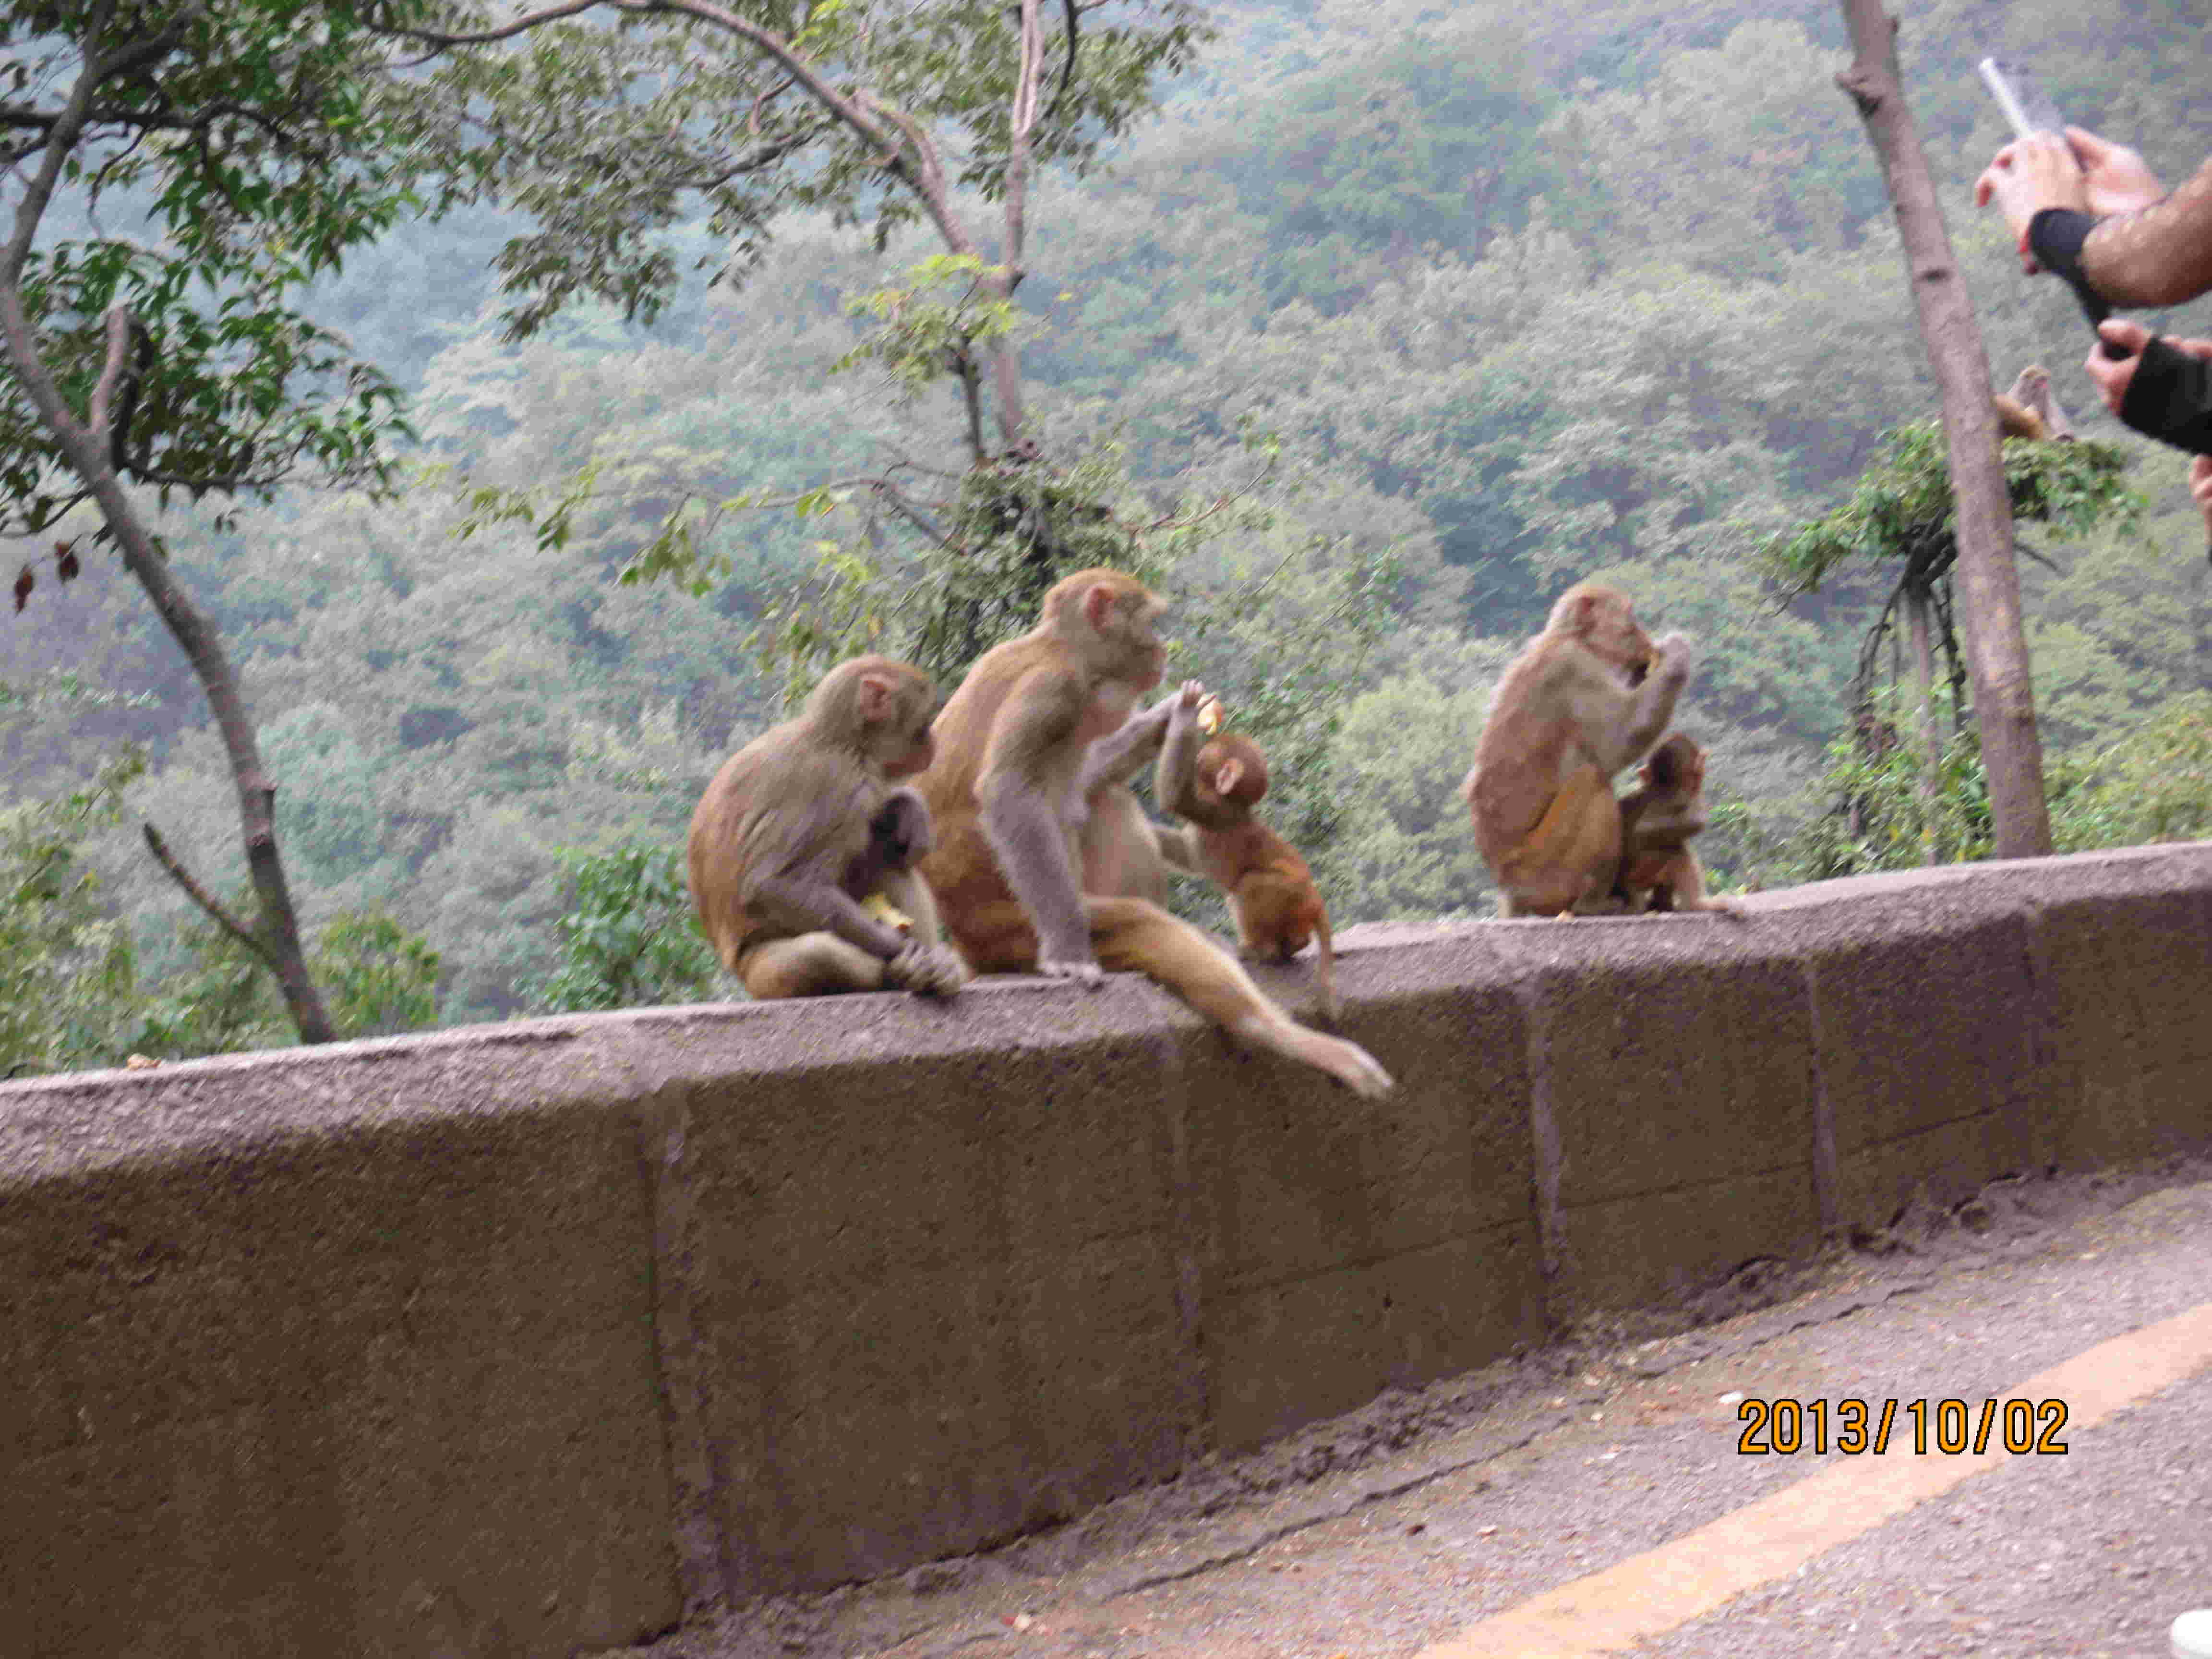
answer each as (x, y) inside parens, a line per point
(1359, 1070)
(927, 970)
(1087, 974)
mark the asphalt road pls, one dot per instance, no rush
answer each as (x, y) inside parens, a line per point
(1594, 1498)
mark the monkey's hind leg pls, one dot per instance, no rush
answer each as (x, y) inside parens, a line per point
(1129, 933)
(1571, 852)
(1686, 890)
(810, 965)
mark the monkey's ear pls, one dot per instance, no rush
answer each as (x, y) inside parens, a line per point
(879, 696)
(1227, 774)
(1097, 603)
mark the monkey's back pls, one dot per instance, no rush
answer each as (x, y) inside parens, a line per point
(1516, 769)
(975, 900)
(780, 802)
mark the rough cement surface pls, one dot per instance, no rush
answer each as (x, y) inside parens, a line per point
(363, 1368)
(515, 1340)
(1394, 1527)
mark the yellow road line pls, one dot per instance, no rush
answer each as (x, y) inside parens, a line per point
(1652, 1593)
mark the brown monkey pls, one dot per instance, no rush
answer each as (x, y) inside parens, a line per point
(1271, 890)
(1036, 730)
(802, 824)
(1123, 851)
(1658, 871)
(2031, 410)
(1586, 697)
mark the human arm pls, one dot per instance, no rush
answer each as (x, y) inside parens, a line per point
(2091, 211)
(2160, 387)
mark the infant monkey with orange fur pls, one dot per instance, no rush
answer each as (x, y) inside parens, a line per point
(1270, 889)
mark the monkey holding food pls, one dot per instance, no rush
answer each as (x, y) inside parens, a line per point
(1039, 726)
(803, 826)
(1587, 698)
(1272, 893)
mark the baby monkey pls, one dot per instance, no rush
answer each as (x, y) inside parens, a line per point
(1658, 871)
(1271, 890)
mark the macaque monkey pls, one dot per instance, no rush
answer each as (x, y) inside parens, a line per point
(1658, 871)
(1123, 851)
(1040, 726)
(802, 828)
(1588, 696)
(1271, 891)
(2031, 410)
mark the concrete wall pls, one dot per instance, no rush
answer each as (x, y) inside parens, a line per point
(507, 1342)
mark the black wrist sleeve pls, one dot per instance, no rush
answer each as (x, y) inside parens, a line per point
(2170, 398)
(2055, 237)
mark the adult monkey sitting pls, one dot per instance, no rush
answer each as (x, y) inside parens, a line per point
(1023, 746)
(802, 825)
(1589, 696)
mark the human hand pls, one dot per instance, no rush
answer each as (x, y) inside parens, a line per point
(2114, 176)
(2028, 176)
(2113, 375)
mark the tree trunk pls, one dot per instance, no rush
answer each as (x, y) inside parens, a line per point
(85, 451)
(279, 928)
(1996, 644)
(1931, 741)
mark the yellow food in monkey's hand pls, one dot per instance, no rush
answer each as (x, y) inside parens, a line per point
(1210, 716)
(887, 913)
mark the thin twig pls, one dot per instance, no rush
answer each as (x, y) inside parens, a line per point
(1066, 68)
(200, 896)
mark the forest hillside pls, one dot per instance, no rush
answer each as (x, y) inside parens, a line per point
(1414, 313)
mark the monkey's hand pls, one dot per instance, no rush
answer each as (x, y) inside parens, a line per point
(1186, 706)
(1113, 757)
(932, 971)
(1673, 653)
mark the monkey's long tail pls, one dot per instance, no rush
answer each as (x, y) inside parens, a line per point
(1325, 974)
(1132, 934)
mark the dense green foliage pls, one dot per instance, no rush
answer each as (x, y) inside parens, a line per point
(629, 939)
(1520, 298)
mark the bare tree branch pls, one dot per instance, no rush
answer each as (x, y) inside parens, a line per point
(914, 516)
(1996, 644)
(110, 370)
(61, 139)
(1067, 67)
(201, 896)
(523, 24)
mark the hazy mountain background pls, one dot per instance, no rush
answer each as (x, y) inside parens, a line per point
(1527, 294)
